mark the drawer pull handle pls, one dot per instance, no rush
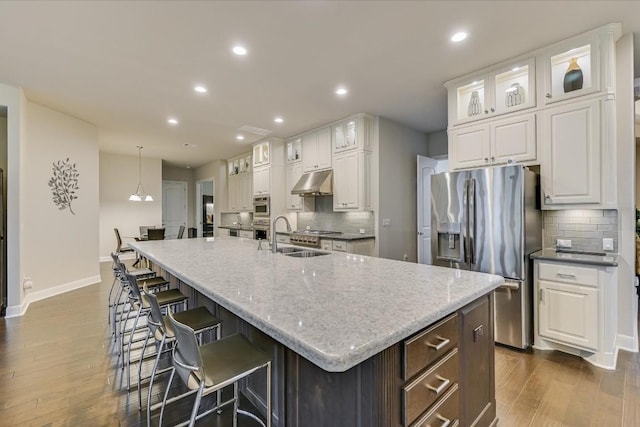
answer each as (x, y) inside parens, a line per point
(445, 421)
(566, 275)
(443, 342)
(442, 387)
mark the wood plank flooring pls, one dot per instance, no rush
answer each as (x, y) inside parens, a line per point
(58, 368)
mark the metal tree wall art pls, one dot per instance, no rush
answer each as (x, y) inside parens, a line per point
(64, 184)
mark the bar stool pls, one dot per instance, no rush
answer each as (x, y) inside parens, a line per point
(154, 282)
(166, 299)
(211, 367)
(199, 319)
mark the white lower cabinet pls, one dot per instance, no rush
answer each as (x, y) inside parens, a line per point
(575, 310)
(246, 234)
(569, 313)
(495, 142)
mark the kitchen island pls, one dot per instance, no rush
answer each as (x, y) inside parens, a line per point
(342, 328)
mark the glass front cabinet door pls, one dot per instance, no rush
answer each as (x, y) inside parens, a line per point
(504, 90)
(571, 69)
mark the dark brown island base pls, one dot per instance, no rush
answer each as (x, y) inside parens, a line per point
(440, 374)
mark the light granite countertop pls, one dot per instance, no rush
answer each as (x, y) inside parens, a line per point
(335, 310)
(607, 260)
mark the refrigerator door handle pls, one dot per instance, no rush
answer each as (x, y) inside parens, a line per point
(471, 219)
(514, 286)
(465, 221)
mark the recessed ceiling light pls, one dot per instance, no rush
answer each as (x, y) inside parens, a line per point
(240, 137)
(200, 89)
(172, 121)
(278, 120)
(515, 68)
(341, 91)
(239, 50)
(458, 37)
(188, 167)
(187, 145)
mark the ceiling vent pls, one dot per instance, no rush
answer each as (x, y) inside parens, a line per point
(254, 130)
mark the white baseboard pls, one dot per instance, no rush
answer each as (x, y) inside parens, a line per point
(628, 343)
(19, 310)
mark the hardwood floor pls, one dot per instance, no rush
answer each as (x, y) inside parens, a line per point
(57, 368)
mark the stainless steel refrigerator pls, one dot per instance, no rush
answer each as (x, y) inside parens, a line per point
(489, 220)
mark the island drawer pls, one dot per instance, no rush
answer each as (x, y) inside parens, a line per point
(426, 389)
(340, 245)
(444, 413)
(429, 346)
(567, 273)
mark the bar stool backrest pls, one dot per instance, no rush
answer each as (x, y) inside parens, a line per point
(154, 319)
(186, 354)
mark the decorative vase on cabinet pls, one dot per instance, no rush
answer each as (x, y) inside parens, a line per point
(573, 78)
(475, 106)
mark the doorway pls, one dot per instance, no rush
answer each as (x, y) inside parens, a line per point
(174, 207)
(205, 212)
(426, 167)
(3, 209)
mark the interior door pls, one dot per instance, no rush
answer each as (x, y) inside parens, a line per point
(426, 168)
(174, 207)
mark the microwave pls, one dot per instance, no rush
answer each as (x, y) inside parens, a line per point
(261, 207)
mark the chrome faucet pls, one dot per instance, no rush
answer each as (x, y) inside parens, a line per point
(274, 243)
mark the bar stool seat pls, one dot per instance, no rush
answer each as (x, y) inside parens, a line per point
(208, 368)
(228, 358)
(153, 282)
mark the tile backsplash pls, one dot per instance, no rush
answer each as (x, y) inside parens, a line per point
(585, 228)
(324, 218)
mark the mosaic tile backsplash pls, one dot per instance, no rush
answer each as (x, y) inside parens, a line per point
(585, 228)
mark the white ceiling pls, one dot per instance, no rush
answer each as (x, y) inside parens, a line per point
(128, 66)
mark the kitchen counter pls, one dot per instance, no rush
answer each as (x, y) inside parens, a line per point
(608, 260)
(343, 236)
(335, 310)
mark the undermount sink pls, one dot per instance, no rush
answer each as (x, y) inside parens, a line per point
(305, 254)
(289, 250)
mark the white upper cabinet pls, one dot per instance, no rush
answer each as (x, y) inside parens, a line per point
(316, 148)
(572, 161)
(261, 154)
(579, 66)
(294, 172)
(239, 183)
(294, 150)
(352, 181)
(352, 133)
(509, 140)
(489, 93)
(262, 181)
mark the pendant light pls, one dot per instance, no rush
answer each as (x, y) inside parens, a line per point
(139, 195)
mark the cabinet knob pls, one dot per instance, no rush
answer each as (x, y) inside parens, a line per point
(486, 159)
(486, 111)
(547, 198)
(493, 159)
(548, 95)
(493, 110)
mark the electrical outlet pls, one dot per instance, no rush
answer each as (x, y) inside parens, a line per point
(362, 231)
(607, 244)
(27, 283)
(386, 222)
(563, 243)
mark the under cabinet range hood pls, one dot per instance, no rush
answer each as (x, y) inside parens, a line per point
(314, 184)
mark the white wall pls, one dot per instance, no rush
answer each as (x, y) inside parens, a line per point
(438, 144)
(398, 147)
(118, 179)
(59, 248)
(627, 299)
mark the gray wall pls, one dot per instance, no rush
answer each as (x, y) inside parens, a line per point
(172, 173)
(438, 144)
(398, 148)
